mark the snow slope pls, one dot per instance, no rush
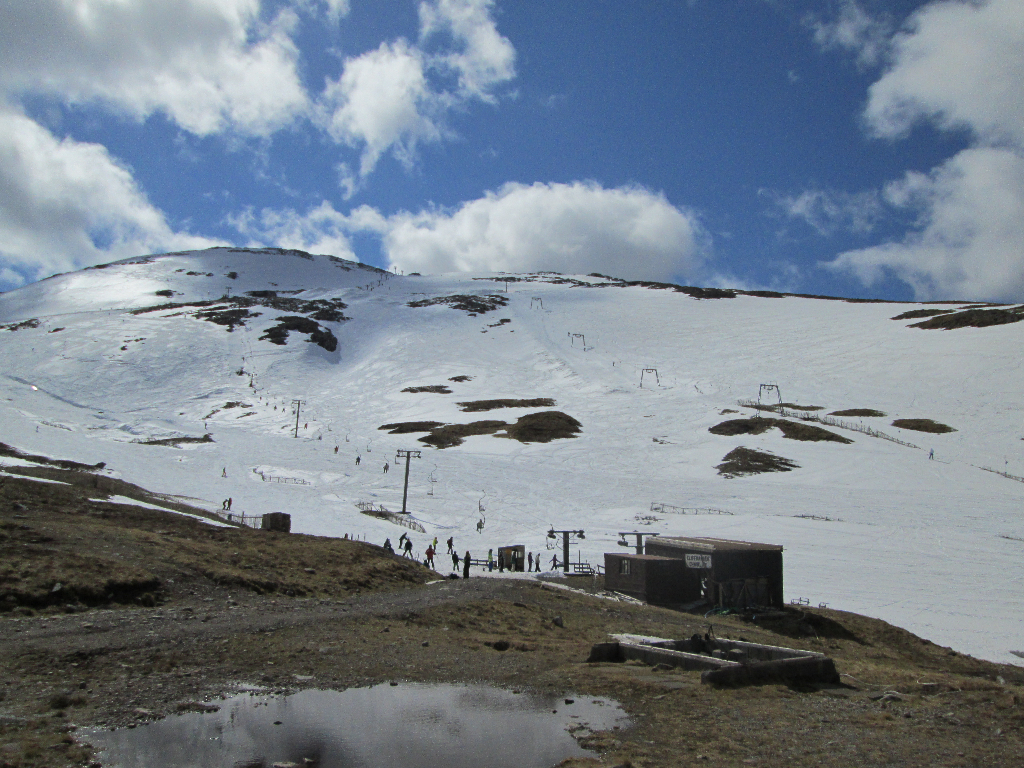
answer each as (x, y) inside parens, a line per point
(931, 545)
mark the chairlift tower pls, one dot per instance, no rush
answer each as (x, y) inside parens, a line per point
(566, 535)
(407, 455)
(639, 540)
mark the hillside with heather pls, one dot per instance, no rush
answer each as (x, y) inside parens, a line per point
(883, 454)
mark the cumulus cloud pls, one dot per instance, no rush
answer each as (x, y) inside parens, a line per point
(382, 101)
(970, 241)
(485, 58)
(65, 204)
(579, 228)
(960, 66)
(321, 230)
(209, 65)
(391, 98)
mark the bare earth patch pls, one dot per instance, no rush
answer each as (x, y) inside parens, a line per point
(405, 427)
(923, 425)
(474, 406)
(792, 429)
(437, 389)
(916, 313)
(451, 435)
(972, 318)
(474, 305)
(741, 461)
(858, 412)
(540, 427)
(176, 441)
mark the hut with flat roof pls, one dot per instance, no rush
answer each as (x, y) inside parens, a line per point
(731, 574)
(679, 570)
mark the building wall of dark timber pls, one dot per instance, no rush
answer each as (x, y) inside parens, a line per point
(728, 565)
(656, 580)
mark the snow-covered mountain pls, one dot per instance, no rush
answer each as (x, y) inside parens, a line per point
(119, 363)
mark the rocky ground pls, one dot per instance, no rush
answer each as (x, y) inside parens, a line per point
(158, 614)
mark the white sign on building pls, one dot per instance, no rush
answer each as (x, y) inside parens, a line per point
(698, 561)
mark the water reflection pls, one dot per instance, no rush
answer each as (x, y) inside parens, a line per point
(404, 726)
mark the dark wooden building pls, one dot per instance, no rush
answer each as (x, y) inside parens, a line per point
(677, 570)
(653, 579)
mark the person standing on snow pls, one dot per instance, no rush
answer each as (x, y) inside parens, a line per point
(408, 548)
(465, 565)
(357, 460)
(529, 562)
(451, 546)
(385, 467)
(455, 561)
(430, 557)
(490, 559)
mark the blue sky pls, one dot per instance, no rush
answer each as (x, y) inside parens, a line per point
(850, 147)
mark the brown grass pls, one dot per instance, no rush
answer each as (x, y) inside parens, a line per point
(858, 412)
(741, 461)
(405, 427)
(540, 427)
(913, 314)
(100, 553)
(792, 429)
(544, 427)
(437, 389)
(972, 318)
(474, 305)
(475, 406)
(176, 441)
(923, 425)
(451, 435)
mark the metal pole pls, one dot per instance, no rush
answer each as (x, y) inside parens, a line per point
(405, 491)
(298, 408)
(565, 551)
(408, 455)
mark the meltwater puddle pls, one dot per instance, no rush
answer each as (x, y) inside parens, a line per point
(385, 726)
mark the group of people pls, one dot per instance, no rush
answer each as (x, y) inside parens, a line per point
(463, 563)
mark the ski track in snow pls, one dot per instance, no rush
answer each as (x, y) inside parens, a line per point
(918, 543)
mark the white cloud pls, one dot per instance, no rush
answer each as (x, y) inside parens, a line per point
(389, 99)
(66, 204)
(829, 211)
(210, 65)
(486, 59)
(855, 29)
(321, 230)
(960, 64)
(970, 244)
(578, 228)
(382, 101)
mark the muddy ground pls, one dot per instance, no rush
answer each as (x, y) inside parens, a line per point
(196, 612)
